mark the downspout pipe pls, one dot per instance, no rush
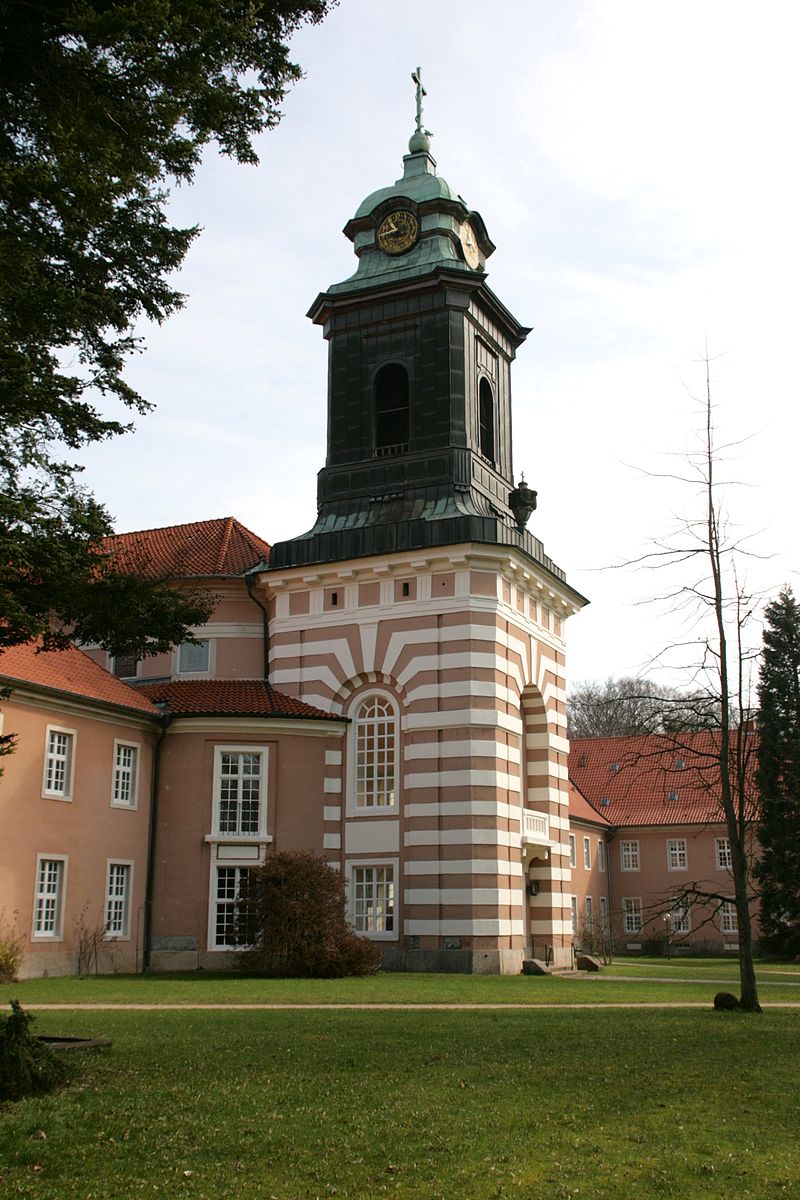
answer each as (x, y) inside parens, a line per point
(166, 719)
(250, 581)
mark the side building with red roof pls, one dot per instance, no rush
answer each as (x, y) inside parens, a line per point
(132, 807)
(75, 802)
(667, 846)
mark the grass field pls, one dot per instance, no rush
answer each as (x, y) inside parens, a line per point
(632, 981)
(292, 1105)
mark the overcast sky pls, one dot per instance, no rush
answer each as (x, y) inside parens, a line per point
(635, 162)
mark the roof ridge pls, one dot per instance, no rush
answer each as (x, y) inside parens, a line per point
(176, 525)
(226, 541)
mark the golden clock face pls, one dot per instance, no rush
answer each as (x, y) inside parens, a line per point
(398, 232)
(469, 245)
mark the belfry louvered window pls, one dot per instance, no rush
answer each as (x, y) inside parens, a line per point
(375, 753)
(486, 419)
(391, 410)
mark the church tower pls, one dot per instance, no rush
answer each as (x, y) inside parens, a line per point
(420, 607)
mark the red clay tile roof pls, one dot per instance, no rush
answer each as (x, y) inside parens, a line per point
(69, 671)
(202, 548)
(581, 810)
(231, 698)
(652, 779)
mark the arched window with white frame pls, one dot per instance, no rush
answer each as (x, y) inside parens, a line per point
(375, 753)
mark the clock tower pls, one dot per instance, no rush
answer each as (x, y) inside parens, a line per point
(420, 607)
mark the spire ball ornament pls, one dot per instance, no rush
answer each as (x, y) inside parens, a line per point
(522, 502)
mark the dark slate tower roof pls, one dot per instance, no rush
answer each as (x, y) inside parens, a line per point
(419, 386)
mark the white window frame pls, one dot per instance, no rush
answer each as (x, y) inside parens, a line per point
(603, 914)
(631, 914)
(587, 854)
(354, 808)
(601, 855)
(629, 856)
(42, 895)
(728, 917)
(215, 901)
(573, 904)
(374, 864)
(722, 853)
(260, 834)
(121, 772)
(50, 757)
(680, 918)
(588, 912)
(118, 934)
(573, 851)
(677, 854)
(208, 670)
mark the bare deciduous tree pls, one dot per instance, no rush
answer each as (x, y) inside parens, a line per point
(704, 557)
(635, 704)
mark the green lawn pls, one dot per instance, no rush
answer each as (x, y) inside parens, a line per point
(635, 981)
(294, 1105)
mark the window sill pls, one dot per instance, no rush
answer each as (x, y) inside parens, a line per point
(238, 839)
(378, 811)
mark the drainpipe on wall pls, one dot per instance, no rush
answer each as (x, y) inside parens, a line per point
(609, 842)
(249, 580)
(151, 835)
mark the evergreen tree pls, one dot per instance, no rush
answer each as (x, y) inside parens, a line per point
(778, 777)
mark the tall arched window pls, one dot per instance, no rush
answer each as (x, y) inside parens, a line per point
(486, 420)
(375, 752)
(391, 409)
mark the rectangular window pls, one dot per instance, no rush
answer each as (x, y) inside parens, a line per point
(573, 853)
(193, 658)
(126, 770)
(680, 918)
(723, 849)
(631, 914)
(587, 854)
(676, 854)
(573, 903)
(589, 912)
(49, 897)
(629, 856)
(601, 855)
(603, 913)
(126, 666)
(240, 808)
(728, 919)
(118, 899)
(228, 886)
(59, 761)
(373, 899)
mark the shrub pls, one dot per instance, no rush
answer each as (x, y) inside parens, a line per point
(291, 918)
(11, 943)
(27, 1066)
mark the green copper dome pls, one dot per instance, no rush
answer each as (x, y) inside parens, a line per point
(439, 229)
(419, 182)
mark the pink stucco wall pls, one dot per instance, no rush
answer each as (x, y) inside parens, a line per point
(86, 830)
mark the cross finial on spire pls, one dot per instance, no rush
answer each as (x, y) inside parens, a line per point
(417, 78)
